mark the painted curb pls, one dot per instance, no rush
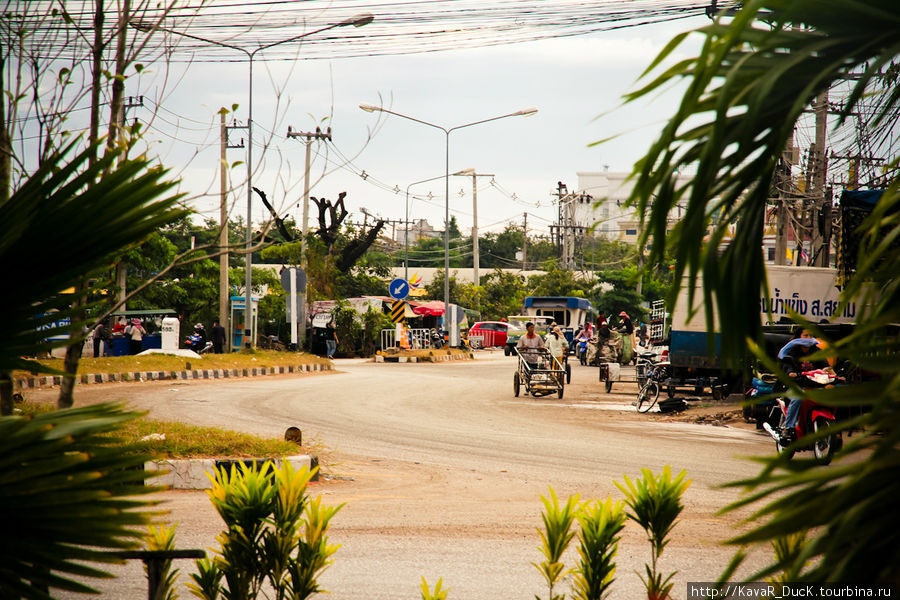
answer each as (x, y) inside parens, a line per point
(195, 473)
(425, 359)
(48, 381)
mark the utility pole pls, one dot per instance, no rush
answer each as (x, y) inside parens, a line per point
(223, 228)
(525, 243)
(819, 243)
(784, 184)
(309, 136)
(224, 294)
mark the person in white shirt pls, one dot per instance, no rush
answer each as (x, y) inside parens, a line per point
(556, 344)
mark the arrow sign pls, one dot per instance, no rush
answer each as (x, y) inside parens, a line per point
(399, 289)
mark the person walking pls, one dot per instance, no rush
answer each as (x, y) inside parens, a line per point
(218, 337)
(101, 336)
(556, 344)
(331, 340)
(135, 332)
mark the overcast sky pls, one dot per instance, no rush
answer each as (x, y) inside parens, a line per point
(575, 83)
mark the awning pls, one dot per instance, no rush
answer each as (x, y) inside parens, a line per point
(435, 308)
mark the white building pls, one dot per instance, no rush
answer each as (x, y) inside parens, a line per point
(419, 229)
(612, 219)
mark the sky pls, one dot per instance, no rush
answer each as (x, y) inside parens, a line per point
(576, 83)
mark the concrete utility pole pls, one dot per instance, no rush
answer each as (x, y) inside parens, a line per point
(304, 222)
(223, 229)
(525, 243)
(784, 183)
(819, 243)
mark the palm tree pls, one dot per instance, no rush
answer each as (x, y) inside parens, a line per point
(745, 91)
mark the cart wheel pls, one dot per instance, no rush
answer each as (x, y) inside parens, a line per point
(559, 392)
(568, 373)
(608, 385)
(717, 392)
(516, 384)
(670, 391)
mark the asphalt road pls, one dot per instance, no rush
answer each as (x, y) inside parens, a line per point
(441, 471)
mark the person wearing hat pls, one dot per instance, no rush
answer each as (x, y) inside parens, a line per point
(556, 344)
(135, 331)
(626, 328)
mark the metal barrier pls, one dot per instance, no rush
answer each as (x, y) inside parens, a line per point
(419, 339)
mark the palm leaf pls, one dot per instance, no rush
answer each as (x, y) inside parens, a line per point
(62, 226)
(746, 89)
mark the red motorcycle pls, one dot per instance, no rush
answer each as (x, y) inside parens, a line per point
(813, 418)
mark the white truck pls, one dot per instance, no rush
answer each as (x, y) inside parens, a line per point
(811, 292)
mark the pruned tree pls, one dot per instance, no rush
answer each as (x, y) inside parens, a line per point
(331, 216)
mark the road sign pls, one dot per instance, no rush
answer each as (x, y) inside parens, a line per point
(399, 289)
(286, 279)
(398, 310)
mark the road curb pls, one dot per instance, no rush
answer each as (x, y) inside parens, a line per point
(379, 358)
(195, 473)
(89, 378)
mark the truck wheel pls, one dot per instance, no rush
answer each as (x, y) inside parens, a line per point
(506, 351)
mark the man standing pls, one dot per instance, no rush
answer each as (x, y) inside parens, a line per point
(218, 337)
(101, 336)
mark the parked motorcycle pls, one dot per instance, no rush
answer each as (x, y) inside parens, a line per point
(813, 419)
(197, 340)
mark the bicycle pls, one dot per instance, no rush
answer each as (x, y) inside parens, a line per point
(649, 393)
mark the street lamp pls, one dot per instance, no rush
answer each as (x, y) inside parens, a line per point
(406, 237)
(356, 21)
(519, 113)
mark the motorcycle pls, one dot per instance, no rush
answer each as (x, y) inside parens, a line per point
(197, 341)
(813, 418)
(581, 349)
(762, 411)
(437, 340)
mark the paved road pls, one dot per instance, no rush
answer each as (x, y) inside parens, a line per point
(441, 470)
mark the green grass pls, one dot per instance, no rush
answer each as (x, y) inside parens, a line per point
(190, 441)
(167, 362)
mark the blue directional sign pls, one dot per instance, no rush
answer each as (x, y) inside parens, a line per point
(399, 289)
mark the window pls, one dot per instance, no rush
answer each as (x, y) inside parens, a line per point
(631, 232)
(771, 254)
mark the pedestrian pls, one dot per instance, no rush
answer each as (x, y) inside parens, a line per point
(642, 333)
(218, 337)
(601, 319)
(135, 332)
(556, 344)
(331, 340)
(101, 336)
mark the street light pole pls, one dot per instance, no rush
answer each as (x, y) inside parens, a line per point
(406, 237)
(356, 21)
(447, 132)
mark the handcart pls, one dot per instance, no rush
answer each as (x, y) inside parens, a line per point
(539, 373)
(612, 371)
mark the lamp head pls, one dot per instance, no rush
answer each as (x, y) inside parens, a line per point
(525, 112)
(369, 107)
(358, 20)
(469, 171)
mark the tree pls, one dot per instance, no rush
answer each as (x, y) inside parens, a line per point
(745, 91)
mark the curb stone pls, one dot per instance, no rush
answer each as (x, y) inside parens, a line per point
(380, 358)
(23, 383)
(195, 473)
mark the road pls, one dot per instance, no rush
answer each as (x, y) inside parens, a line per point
(441, 471)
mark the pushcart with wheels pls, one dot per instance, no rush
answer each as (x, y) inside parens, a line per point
(539, 373)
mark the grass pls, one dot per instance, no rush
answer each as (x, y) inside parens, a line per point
(189, 441)
(244, 359)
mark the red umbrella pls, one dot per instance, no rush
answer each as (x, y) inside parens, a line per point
(434, 308)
